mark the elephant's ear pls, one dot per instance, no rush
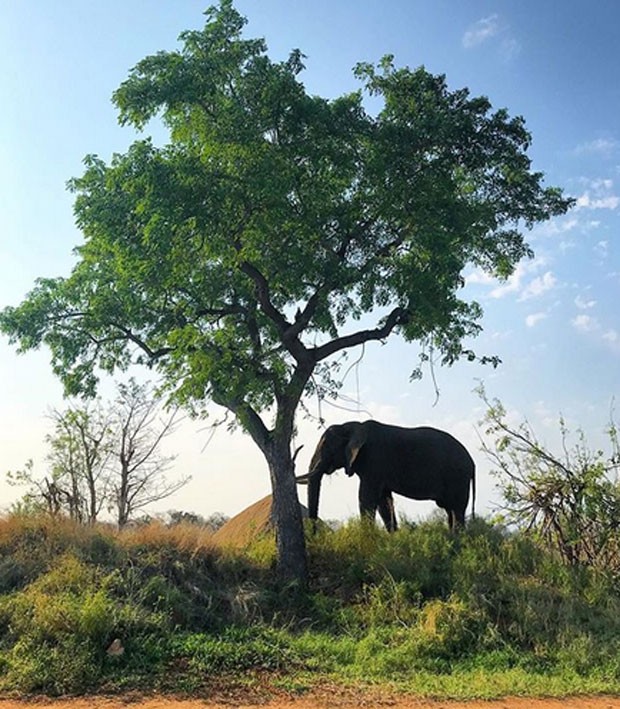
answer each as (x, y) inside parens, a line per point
(352, 450)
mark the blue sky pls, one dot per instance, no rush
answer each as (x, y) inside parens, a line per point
(555, 323)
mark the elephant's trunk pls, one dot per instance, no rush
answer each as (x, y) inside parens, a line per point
(314, 490)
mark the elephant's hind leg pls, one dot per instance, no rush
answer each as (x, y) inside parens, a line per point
(386, 510)
(456, 519)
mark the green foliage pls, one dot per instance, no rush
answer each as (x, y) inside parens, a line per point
(58, 630)
(268, 199)
(419, 608)
(238, 649)
(269, 202)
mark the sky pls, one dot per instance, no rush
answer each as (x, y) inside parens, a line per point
(555, 323)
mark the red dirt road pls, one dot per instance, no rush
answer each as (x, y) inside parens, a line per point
(320, 701)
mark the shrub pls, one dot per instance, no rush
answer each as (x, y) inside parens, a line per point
(451, 629)
(58, 629)
(419, 603)
(570, 501)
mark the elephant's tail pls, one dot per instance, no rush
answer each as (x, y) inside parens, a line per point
(473, 492)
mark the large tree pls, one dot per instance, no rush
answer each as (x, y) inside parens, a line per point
(239, 258)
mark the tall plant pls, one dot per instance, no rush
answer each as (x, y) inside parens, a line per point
(237, 259)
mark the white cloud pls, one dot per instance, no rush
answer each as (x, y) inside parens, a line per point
(603, 183)
(538, 286)
(479, 277)
(564, 226)
(602, 249)
(584, 323)
(593, 328)
(481, 31)
(598, 195)
(512, 285)
(559, 225)
(611, 338)
(544, 414)
(586, 201)
(584, 304)
(510, 49)
(488, 28)
(534, 319)
(516, 283)
(567, 246)
(605, 147)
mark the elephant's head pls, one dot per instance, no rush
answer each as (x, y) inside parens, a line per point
(338, 448)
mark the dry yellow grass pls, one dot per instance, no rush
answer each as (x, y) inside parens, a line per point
(184, 536)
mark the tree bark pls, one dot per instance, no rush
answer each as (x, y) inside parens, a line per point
(275, 445)
(286, 513)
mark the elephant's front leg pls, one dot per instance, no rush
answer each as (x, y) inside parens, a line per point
(369, 499)
(386, 510)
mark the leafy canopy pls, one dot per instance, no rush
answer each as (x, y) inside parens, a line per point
(235, 257)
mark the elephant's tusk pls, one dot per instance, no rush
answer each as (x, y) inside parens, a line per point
(305, 479)
(296, 453)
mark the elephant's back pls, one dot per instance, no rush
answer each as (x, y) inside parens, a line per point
(437, 439)
(426, 443)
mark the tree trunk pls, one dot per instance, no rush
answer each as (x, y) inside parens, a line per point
(122, 495)
(276, 447)
(92, 498)
(287, 517)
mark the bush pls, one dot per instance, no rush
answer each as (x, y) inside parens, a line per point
(420, 604)
(61, 624)
(570, 501)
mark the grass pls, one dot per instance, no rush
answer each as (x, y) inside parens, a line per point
(480, 615)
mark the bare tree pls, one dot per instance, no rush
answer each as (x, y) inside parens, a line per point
(75, 483)
(42, 493)
(103, 456)
(79, 458)
(570, 501)
(138, 475)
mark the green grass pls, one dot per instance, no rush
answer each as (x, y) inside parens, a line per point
(483, 614)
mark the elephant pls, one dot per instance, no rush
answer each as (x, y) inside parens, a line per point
(421, 463)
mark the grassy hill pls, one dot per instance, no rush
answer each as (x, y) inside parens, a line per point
(482, 614)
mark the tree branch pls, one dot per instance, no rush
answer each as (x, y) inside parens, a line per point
(246, 416)
(302, 320)
(264, 297)
(289, 333)
(396, 317)
(152, 354)
(127, 334)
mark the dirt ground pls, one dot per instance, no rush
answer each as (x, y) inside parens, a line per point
(318, 701)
